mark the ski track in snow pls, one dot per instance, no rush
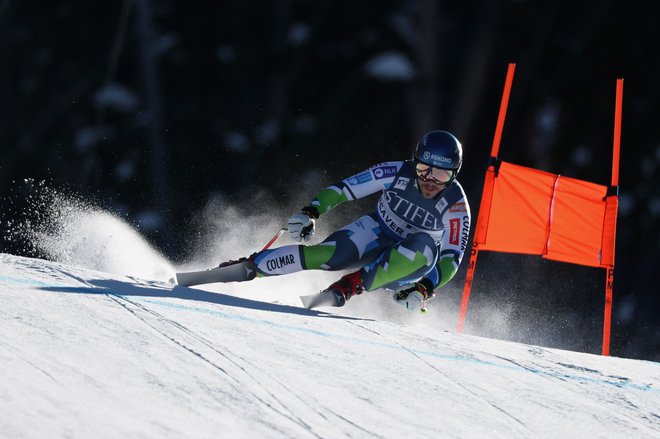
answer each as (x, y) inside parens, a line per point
(204, 350)
(88, 353)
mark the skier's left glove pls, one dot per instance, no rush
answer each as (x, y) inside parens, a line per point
(301, 225)
(415, 298)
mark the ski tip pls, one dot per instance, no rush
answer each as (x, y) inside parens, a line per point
(324, 298)
(239, 272)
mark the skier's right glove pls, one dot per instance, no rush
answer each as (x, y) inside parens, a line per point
(301, 225)
(415, 298)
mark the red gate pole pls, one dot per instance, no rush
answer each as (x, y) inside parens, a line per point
(609, 281)
(484, 209)
(467, 287)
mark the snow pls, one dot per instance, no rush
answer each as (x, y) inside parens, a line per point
(87, 236)
(88, 353)
(97, 343)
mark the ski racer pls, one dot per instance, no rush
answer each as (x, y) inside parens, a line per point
(413, 242)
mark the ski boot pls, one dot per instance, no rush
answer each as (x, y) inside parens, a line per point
(249, 259)
(348, 286)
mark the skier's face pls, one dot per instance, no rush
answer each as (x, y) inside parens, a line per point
(429, 189)
(432, 180)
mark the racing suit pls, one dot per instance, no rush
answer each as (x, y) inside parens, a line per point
(406, 238)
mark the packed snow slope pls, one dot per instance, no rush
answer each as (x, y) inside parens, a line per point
(90, 354)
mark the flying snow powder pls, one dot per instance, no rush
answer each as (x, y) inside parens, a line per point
(65, 228)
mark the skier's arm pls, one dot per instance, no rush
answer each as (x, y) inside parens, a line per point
(454, 241)
(365, 183)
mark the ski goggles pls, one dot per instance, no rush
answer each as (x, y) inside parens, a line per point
(434, 175)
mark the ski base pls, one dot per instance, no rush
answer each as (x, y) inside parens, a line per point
(324, 298)
(239, 272)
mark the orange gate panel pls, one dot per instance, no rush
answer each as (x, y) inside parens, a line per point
(539, 213)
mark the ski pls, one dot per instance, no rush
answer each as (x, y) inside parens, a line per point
(238, 272)
(324, 298)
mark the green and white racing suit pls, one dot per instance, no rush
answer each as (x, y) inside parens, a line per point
(406, 238)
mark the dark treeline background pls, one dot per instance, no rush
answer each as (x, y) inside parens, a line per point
(158, 106)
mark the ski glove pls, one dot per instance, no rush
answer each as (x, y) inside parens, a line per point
(301, 226)
(415, 298)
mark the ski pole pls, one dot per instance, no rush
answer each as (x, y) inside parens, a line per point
(274, 238)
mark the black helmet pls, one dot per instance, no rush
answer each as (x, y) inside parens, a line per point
(440, 149)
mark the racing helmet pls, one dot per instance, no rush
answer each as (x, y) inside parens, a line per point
(440, 149)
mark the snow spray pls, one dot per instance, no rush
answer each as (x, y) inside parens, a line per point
(65, 228)
(223, 230)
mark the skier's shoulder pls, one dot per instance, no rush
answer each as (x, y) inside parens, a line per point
(387, 167)
(371, 180)
(454, 196)
(457, 188)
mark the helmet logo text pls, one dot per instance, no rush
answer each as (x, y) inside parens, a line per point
(427, 155)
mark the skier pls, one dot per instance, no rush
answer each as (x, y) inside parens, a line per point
(414, 241)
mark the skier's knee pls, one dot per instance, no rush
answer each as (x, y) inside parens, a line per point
(421, 242)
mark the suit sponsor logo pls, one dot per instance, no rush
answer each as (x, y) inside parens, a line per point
(459, 231)
(465, 232)
(402, 183)
(454, 228)
(381, 172)
(361, 178)
(411, 212)
(282, 261)
(440, 205)
(458, 207)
